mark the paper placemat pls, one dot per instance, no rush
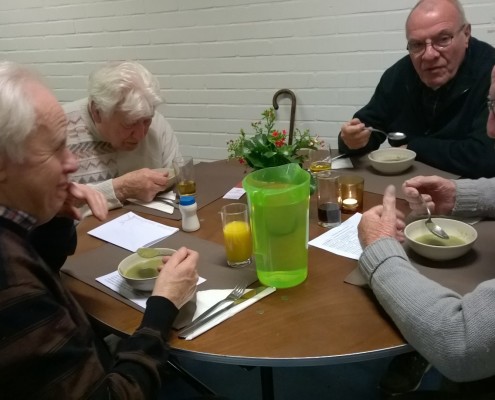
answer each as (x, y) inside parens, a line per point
(213, 180)
(462, 274)
(212, 266)
(376, 182)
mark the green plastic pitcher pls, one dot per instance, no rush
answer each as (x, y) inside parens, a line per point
(278, 199)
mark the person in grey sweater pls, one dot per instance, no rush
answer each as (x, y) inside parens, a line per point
(455, 333)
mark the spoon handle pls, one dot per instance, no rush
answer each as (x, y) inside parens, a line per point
(340, 156)
(375, 130)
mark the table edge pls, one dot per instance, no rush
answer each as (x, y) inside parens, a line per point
(293, 361)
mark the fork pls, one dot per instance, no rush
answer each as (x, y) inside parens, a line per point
(237, 292)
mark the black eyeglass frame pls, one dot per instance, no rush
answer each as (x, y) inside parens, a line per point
(434, 43)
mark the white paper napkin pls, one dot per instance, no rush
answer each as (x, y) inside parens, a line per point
(158, 205)
(342, 163)
(206, 298)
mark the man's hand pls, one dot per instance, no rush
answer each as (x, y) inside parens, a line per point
(78, 196)
(438, 193)
(354, 134)
(382, 221)
(178, 277)
(142, 184)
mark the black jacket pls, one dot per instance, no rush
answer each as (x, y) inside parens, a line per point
(446, 127)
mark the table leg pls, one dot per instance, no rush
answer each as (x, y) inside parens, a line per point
(195, 383)
(267, 392)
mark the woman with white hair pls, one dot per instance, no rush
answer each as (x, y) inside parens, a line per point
(118, 136)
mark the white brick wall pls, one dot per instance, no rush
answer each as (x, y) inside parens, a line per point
(219, 62)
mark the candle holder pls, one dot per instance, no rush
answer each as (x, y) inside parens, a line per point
(351, 194)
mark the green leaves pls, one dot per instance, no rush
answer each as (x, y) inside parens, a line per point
(269, 147)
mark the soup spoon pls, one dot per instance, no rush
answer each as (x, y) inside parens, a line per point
(392, 135)
(432, 226)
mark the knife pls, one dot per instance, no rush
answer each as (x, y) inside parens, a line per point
(198, 323)
(150, 252)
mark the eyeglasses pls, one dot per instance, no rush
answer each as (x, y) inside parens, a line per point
(439, 44)
(491, 105)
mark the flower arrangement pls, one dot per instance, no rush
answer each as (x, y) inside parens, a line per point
(269, 147)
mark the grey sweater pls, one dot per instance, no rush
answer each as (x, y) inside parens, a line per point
(455, 333)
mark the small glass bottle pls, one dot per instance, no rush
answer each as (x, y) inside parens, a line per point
(188, 208)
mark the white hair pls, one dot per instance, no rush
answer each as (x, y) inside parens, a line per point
(17, 111)
(127, 87)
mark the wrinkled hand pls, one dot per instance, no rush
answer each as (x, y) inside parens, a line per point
(79, 195)
(354, 134)
(142, 184)
(438, 193)
(382, 221)
(178, 277)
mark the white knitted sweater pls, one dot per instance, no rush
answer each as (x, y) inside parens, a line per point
(99, 162)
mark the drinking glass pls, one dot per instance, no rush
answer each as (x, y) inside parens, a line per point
(184, 173)
(237, 234)
(328, 199)
(320, 159)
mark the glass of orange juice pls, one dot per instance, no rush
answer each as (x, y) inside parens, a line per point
(237, 234)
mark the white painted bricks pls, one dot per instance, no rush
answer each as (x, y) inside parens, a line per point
(220, 62)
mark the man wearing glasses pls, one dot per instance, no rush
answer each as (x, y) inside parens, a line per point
(434, 95)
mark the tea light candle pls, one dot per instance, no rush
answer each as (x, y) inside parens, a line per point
(350, 203)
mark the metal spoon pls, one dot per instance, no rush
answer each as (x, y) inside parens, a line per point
(330, 158)
(432, 226)
(391, 135)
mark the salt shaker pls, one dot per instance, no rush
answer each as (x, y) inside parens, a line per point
(188, 207)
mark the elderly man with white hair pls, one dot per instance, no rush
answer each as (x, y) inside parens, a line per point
(118, 136)
(48, 349)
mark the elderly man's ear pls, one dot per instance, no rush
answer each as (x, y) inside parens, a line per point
(467, 32)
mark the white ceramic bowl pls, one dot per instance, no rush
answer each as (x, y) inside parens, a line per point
(456, 229)
(392, 160)
(143, 284)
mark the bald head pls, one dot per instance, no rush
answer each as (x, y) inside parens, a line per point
(432, 6)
